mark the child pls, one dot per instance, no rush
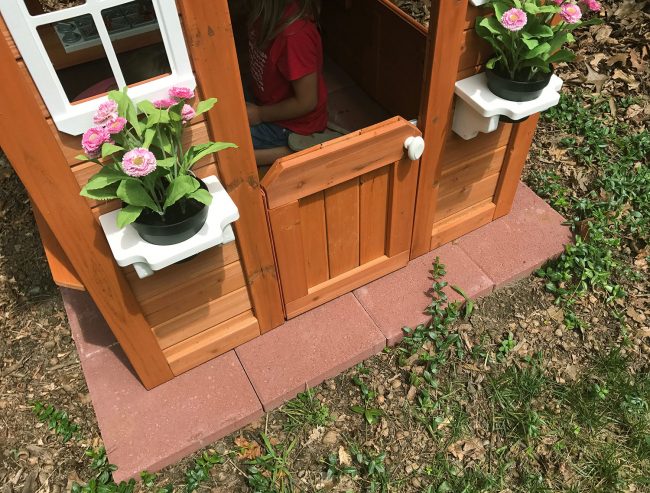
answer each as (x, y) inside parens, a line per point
(286, 61)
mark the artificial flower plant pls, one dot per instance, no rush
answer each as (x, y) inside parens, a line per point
(141, 153)
(528, 35)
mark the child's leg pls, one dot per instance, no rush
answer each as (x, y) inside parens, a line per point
(270, 142)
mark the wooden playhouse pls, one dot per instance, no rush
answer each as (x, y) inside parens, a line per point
(322, 222)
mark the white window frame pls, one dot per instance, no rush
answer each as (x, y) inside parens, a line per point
(74, 119)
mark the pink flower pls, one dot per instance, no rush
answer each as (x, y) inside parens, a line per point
(106, 112)
(514, 19)
(163, 104)
(177, 92)
(188, 113)
(571, 13)
(593, 5)
(116, 126)
(138, 162)
(93, 140)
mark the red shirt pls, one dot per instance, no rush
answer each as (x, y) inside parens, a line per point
(294, 53)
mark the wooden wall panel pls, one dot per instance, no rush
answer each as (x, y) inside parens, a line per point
(465, 197)
(474, 51)
(458, 150)
(342, 213)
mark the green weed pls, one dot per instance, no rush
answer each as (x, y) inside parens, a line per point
(269, 473)
(56, 420)
(200, 473)
(370, 414)
(305, 410)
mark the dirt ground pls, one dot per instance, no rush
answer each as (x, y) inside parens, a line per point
(483, 404)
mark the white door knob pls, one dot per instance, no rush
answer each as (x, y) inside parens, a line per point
(414, 147)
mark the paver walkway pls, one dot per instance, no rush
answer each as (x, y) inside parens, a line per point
(151, 429)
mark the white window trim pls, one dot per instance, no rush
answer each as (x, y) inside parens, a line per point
(74, 119)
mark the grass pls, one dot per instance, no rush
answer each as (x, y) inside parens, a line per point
(305, 410)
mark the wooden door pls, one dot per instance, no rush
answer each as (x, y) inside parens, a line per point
(341, 214)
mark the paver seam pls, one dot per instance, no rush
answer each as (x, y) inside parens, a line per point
(493, 288)
(257, 395)
(372, 319)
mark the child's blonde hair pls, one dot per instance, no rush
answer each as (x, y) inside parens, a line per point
(266, 17)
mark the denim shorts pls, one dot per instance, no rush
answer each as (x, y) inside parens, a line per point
(269, 135)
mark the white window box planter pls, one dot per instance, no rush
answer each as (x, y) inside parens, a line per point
(129, 249)
(478, 109)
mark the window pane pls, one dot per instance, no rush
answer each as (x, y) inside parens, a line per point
(78, 57)
(37, 7)
(137, 40)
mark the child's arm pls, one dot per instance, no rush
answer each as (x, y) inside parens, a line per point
(303, 101)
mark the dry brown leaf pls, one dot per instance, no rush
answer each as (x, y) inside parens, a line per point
(596, 79)
(618, 58)
(247, 450)
(471, 449)
(345, 459)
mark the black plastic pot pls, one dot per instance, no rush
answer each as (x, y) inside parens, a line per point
(514, 90)
(180, 222)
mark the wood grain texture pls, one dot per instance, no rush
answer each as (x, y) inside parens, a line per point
(314, 238)
(461, 223)
(458, 150)
(339, 160)
(63, 272)
(289, 250)
(474, 51)
(466, 196)
(195, 321)
(42, 167)
(465, 174)
(210, 41)
(373, 208)
(347, 282)
(212, 342)
(342, 213)
(446, 34)
(515, 159)
(404, 181)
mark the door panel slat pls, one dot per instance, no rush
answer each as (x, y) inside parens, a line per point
(373, 198)
(342, 213)
(404, 182)
(314, 237)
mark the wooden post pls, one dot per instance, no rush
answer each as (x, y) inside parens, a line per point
(515, 159)
(208, 32)
(443, 54)
(34, 154)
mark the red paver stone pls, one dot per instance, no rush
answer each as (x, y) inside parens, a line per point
(89, 329)
(398, 299)
(148, 430)
(513, 246)
(309, 349)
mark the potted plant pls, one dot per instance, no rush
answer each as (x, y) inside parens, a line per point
(528, 38)
(144, 164)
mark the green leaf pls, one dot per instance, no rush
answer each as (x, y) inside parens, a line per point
(198, 152)
(202, 196)
(500, 8)
(108, 192)
(358, 409)
(538, 51)
(133, 192)
(539, 30)
(492, 25)
(204, 106)
(147, 107)
(126, 108)
(128, 214)
(530, 43)
(166, 163)
(149, 135)
(109, 149)
(561, 56)
(106, 176)
(180, 187)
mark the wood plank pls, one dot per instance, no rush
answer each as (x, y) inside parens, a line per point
(209, 38)
(467, 196)
(443, 54)
(314, 238)
(194, 293)
(342, 213)
(404, 182)
(192, 322)
(373, 210)
(346, 282)
(30, 82)
(461, 223)
(465, 174)
(9, 40)
(63, 272)
(212, 342)
(41, 165)
(474, 50)
(520, 142)
(458, 150)
(289, 250)
(339, 160)
(472, 13)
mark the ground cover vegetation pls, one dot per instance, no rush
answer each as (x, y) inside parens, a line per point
(542, 387)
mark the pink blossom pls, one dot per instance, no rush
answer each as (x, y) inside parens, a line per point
(116, 126)
(138, 162)
(593, 5)
(514, 19)
(188, 113)
(163, 104)
(177, 92)
(571, 13)
(93, 140)
(106, 113)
